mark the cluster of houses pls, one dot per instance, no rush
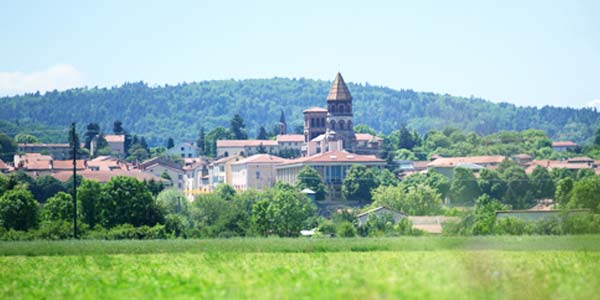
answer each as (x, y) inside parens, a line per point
(328, 144)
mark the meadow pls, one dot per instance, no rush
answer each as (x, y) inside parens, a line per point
(504, 267)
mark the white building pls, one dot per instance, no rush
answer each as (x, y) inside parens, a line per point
(184, 150)
(255, 172)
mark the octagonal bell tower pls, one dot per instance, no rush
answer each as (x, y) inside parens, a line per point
(339, 113)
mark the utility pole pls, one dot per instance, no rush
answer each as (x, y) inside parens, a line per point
(74, 141)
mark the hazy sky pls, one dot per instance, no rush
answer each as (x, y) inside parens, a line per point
(524, 52)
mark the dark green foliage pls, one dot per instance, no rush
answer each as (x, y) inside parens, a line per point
(262, 134)
(44, 187)
(225, 192)
(217, 217)
(238, 128)
(519, 191)
(176, 109)
(492, 184)
(282, 212)
(128, 201)
(542, 183)
(464, 188)
(586, 194)
(58, 208)
(217, 133)
(173, 201)
(8, 147)
(201, 141)
(359, 183)
(26, 138)
(417, 200)
(170, 143)
(18, 210)
(118, 127)
(91, 203)
(563, 191)
(309, 178)
(345, 229)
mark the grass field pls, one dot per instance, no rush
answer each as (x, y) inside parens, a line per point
(385, 268)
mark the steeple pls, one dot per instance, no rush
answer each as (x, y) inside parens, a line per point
(339, 90)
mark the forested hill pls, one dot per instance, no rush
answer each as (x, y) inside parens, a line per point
(180, 111)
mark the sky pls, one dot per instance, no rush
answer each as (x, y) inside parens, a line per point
(530, 53)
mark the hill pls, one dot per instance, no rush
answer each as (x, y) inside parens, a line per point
(180, 111)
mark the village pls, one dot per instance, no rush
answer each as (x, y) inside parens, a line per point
(328, 144)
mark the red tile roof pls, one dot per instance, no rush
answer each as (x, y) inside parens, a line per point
(290, 138)
(261, 159)
(26, 145)
(3, 166)
(339, 91)
(580, 159)
(564, 144)
(367, 137)
(105, 176)
(67, 164)
(336, 156)
(245, 143)
(115, 138)
(455, 161)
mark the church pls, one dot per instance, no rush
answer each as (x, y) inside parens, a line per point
(332, 129)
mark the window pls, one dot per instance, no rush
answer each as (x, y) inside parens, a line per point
(182, 155)
(189, 155)
(182, 149)
(257, 174)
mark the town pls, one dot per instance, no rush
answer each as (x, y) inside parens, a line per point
(338, 168)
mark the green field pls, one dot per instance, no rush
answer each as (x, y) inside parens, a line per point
(385, 268)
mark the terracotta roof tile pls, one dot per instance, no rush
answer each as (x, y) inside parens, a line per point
(245, 143)
(336, 156)
(261, 159)
(115, 138)
(290, 138)
(564, 144)
(367, 137)
(454, 161)
(339, 91)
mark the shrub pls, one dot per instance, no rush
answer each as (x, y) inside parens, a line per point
(345, 229)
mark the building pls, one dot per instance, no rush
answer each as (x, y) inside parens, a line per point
(570, 164)
(446, 165)
(116, 142)
(431, 224)
(332, 166)
(195, 177)
(107, 163)
(4, 168)
(255, 172)
(105, 176)
(563, 146)
(184, 150)
(291, 143)
(159, 165)
(56, 151)
(219, 171)
(314, 123)
(379, 212)
(245, 147)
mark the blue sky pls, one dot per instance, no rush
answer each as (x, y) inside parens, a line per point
(523, 52)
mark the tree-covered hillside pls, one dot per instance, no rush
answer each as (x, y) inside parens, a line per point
(180, 111)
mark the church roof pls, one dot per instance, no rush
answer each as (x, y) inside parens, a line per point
(339, 90)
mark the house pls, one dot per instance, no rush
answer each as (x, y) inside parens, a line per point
(332, 166)
(107, 163)
(291, 143)
(368, 144)
(56, 151)
(574, 165)
(563, 146)
(219, 171)
(446, 165)
(36, 164)
(522, 159)
(184, 150)
(245, 147)
(431, 224)
(379, 211)
(116, 142)
(160, 165)
(255, 172)
(4, 168)
(195, 176)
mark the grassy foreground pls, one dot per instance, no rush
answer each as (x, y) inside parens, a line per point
(401, 268)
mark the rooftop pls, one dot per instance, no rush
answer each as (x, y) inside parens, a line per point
(245, 143)
(456, 161)
(290, 138)
(315, 109)
(336, 156)
(339, 91)
(261, 159)
(115, 138)
(367, 137)
(564, 144)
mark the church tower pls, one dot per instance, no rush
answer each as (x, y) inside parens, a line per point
(339, 113)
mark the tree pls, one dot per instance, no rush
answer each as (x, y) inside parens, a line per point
(405, 139)
(386, 178)
(128, 201)
(309, 178)
(283, 212)
(417, 201)
(597, 137)
(173, 201)
(238, 128)
(519, 193)
(586, 194)
(44, 187)
(91, 203)
(262, 134)
(359, 183)
(362, 128)
(118, 128)
(563, 191)
(216, 217)
(8, 147)
(225, 192)
(59, 208)
(464, 188)
(26, 139)
(18, 210)
(170, 143)
(92, 130)
(261, 149)
(491, 184)
(484, 215)
(542, 183)
(201, 141)
(218, 133)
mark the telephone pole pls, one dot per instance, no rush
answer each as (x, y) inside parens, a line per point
(74, 141)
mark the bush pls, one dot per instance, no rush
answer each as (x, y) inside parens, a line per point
(513, 226)
(327, 227)
(345, 229)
